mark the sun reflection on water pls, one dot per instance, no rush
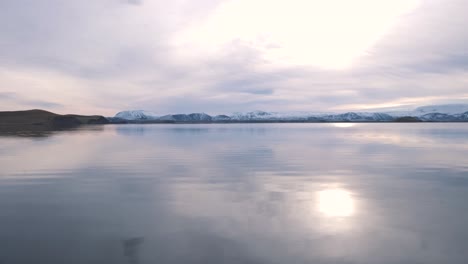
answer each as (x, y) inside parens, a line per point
(336, 203)
(344, 125)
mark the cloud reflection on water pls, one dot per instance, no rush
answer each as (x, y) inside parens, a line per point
(264, 193)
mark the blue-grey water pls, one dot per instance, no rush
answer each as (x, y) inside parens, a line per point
(236, 193)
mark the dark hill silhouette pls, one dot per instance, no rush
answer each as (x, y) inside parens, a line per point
(43, 120)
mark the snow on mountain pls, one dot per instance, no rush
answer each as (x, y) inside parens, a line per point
(463, 117)
(438, 117)
(194, 117)
(433, 113)
(450, 109)
(265, 116)
(305, 116)
(256, 116)
(200, 117)
(358, 117)
(136, 115)
(221, 118)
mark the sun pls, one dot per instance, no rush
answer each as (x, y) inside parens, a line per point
(329, 34)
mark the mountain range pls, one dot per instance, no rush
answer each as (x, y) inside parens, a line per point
(40, 120)
(431, 113)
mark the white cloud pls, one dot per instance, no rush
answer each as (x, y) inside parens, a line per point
(327, 34)
(215, 56)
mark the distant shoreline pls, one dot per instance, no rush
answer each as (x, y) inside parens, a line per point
(41, 120)
(441, 113)
(281, 122)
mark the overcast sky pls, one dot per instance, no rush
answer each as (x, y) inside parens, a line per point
(222, 56)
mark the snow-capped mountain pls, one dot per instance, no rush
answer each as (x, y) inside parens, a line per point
(136, 115)
(434, 113)
(141, 115)
(221, 118)
(438, 117)
(463, 116)
(357, 117)
(258, 116)
(265, 116)
(450, 109)
(194, 117)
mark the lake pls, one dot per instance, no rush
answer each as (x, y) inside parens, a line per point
(236, 193)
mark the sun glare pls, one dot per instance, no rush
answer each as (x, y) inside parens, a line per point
(323, 33)
(335, 203)
(344, 125)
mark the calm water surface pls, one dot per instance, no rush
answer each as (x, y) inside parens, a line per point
(239, 193)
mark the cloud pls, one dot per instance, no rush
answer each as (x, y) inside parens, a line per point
(14, 101)
(43, 104)
(7, 95)
(104, 56)
(135, 2)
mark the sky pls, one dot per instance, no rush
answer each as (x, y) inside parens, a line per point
(223, 56)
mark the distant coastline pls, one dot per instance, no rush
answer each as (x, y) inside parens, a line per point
(42, 120)
(430, 113)
(396, 120)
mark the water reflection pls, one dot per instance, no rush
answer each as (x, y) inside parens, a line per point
(131, 249)
(239, 193)
(344, 125)
(44, 133)
(336, 203)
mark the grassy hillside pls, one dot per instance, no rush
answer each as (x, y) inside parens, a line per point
(25, 117)
(43, 120)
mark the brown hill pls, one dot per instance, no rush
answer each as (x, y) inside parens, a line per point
(43, 120)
